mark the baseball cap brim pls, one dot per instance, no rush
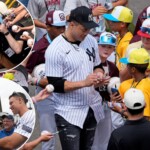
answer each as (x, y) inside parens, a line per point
(140, 33)
(89, 25)
(59, 24)
(124, 60)
(8, 116)
(110, 17)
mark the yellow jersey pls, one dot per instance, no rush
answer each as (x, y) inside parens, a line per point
(143, 85)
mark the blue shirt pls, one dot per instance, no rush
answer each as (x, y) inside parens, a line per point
(4, 133)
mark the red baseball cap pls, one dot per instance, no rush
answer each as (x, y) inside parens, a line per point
(145, 29)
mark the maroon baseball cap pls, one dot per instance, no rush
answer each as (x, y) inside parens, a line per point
(56, 18)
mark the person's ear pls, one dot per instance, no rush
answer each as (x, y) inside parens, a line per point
(133, 69)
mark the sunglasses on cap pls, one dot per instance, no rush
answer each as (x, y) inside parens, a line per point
(145, 30)
(110, 40)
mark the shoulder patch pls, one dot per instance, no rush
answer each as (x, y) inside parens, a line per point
(26, 128)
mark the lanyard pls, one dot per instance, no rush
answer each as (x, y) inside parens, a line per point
(134, 86)
(48, 38)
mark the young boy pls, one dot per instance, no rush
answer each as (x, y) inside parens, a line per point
(107, 44)
(119, 20)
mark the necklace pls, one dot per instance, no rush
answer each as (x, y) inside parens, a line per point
(134, 86)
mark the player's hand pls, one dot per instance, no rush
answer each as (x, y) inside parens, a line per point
(46, 137)
(91, 80)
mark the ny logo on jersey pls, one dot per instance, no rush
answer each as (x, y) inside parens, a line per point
(91, 54)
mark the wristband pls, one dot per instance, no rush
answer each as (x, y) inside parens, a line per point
(37, 82)
(34, 100)
(6, 33)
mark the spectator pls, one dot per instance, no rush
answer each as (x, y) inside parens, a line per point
(144, 43)
(8, 125)
(135, 133)
(137, 63)
(106, 43)
(39, 9)
(118, 22)
(55, 23)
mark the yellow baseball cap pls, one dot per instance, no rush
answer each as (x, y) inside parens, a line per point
(120, 14)
(137, 56)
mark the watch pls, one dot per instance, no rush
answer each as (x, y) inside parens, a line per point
(6, 33)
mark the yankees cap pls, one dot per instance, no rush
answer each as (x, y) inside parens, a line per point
(83, 15)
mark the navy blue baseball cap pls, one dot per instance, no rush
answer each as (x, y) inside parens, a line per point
(83, 15)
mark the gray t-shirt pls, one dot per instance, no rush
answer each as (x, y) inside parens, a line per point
(39, 9)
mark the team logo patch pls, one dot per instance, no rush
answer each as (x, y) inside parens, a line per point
(62, 16)
(26, 128)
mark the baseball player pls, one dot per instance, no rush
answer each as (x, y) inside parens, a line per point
(70, 60)
(25, 124)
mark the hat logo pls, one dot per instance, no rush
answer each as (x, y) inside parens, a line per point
(90, 17)
(62, 16)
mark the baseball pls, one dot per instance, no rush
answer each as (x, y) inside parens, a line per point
(44, 132)
(25, 33)
(14, 28)
(50, 88)
(30, 42)
(29, 77)
(33, 31)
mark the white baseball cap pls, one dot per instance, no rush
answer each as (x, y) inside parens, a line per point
(134, 99)
(56, 18)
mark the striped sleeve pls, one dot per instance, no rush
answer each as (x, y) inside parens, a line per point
(26, 123)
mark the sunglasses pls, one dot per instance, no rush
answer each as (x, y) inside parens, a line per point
(145, 30)
(107, 40)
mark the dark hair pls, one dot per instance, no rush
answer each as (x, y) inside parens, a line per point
(135, 112)
(140, 67)
(19, 94)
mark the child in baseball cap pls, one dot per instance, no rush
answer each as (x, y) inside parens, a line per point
(120, 14)
(145, 29)
(137, 56)
(118, 21)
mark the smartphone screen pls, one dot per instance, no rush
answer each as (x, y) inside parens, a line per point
(1, 20)
(114, 90)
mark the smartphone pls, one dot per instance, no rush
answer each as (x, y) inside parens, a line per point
(114, 90)
(1, 20)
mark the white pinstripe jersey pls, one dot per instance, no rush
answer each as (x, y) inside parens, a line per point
(74, 63)
(26, 124)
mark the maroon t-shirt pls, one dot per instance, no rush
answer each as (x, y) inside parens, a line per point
(38, 56)
(113, 72)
